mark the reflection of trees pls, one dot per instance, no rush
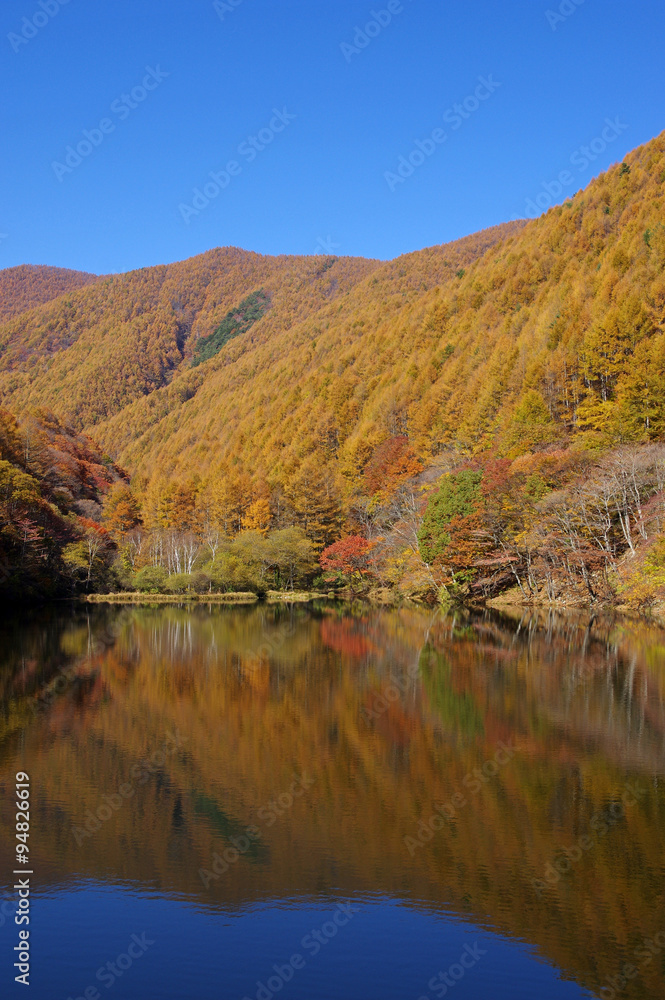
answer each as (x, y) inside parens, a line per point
(456, 709)
(46, 662)
(265, 693)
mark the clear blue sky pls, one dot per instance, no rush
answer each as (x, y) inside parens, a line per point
(321, 175)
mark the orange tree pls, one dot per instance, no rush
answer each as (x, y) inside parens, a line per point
(349, 557)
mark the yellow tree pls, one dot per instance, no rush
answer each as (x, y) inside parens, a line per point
(121, 510)
(257, 516)
(641, 393)
(315, 496)
(225, 498)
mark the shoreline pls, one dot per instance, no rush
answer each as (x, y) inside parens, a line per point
(507, 603)
(513, 602)
(237, 597)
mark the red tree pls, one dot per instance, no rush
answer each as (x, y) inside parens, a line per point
(348, 556)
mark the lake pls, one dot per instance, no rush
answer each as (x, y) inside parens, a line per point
(326, 803)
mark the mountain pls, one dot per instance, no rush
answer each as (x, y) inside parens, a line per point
(30, 285)
(299, 382)
(118, 356)
(93, 352)
(442, 343)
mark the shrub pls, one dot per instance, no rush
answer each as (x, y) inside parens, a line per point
(179, 583)
(201, 582)
(151, 580)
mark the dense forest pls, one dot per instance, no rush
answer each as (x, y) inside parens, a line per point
(27, 286)
(483, 416)
(53, 483)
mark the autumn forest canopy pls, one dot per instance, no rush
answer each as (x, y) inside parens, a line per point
(481, 416)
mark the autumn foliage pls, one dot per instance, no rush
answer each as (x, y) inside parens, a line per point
(53, 481)
(349, 556)
(392, 463)
(329, 395)
(29, 285)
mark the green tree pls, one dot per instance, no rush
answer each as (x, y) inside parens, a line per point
(151, 579)
(458, 496)
(291, 555)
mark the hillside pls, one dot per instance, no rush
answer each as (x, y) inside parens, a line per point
(293, 373)
(441, 343)
(30, 285)
(92, 353)
(53, 483)
(570, 307)
(257, 393)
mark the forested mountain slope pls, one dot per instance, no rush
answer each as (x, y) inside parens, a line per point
(251, 393)
(442, 344)
(53, 483)
(90, 353)
(553, 330)
(283, 379)
(30, 285)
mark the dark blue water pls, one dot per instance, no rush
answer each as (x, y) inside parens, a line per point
(386, 950)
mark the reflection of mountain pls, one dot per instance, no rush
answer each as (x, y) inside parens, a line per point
(264, 694)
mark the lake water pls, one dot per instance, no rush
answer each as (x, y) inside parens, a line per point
(325, 804)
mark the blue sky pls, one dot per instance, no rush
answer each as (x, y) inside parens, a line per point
(304, 121)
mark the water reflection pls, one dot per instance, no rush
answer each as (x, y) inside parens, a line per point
(232, 758)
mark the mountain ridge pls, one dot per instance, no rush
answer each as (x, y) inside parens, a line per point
(538, 343)
(22, 381)
(29, 285)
